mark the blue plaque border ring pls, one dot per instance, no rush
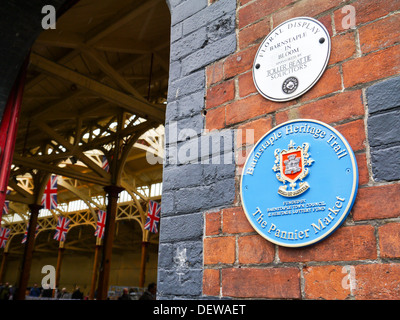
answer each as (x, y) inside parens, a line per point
(299, 183)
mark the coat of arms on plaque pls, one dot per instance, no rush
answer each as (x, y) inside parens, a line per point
(291, 166)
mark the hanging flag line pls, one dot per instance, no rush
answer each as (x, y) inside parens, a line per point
(152, 221)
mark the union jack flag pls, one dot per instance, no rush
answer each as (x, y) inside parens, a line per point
(153, 217)
(6, 204)
(105, 165)
(26, 233)
(62, 228)
(4, 234)
(49, 200)
(101, 224)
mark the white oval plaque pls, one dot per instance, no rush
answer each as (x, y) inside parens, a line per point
(291, 59)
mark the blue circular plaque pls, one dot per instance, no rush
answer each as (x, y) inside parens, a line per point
(299, 183)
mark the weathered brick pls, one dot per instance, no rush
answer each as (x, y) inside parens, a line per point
(363, 174)
(235, 221)
(366, 10)
(377, 282)
(306, 8)
(379, 34)
(254, 33)
(250, 107)
(345, 244)
(246, 84)
(377, 202)
(239, 62)
(213, 223)
(329, 82)
(258, 10)
(389, 240)
(339, 107)
(220, 93)
(215, 73)
(354, 132)
(211, 282)
(384, 62)
(255, 249)
(219, 250)
(343, 47)
(272, 283)
(215, 118)
(325, 282)
(260, 127)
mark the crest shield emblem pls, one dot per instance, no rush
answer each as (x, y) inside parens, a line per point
(291, 166)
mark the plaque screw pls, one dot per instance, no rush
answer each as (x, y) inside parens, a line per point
(321, 40)
(348, 171)
(257, 66)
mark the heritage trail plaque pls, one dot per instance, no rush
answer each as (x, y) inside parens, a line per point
(291, 59)
(299, 183)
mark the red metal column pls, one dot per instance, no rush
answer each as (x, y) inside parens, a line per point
(8, 130)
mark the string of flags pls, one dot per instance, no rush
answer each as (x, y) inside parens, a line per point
(101, 224)
(26, 233)
(62, 229)
(49, 201)
(153, 217)
(4, 235)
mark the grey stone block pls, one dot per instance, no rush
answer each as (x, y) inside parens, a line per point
(189, 44)
(180, 282)
(168, 200)
(386, 164)
(384, 95)
(177, 177)
(181, 256)
(208, 54)
(187, 9)
(193, 199)
(181, 228)
(186, 85)
(176, 32)
(384, 129)
(208, 15)
(191, 104)
(222, 193)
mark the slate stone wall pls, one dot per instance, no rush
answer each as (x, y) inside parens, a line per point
(384, 129)
(197, 176)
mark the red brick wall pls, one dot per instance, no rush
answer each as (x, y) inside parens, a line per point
(240, 263)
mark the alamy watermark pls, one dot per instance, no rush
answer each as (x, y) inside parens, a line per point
(186, 146)
(49, 280)
(49, 20)
(349, 280)
(349, 20)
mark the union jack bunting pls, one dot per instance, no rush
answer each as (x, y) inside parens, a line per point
(49, 200)
(26, 233)
(101, 224)
(153, 217)
(62, 228)
(6, 204)
(105, 165)
(4, 234)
